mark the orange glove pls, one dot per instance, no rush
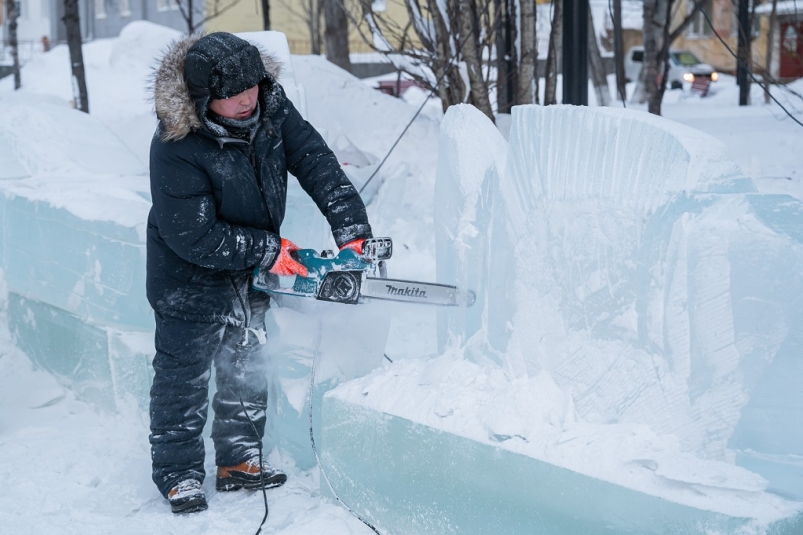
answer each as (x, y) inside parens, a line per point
(285, 265)
(354, 245)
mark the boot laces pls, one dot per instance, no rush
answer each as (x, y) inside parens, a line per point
(253, 462)
(187, 487)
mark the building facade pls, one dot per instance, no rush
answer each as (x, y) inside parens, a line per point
(292, 17)
(40, 23)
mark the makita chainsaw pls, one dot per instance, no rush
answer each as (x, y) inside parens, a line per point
(350, 277)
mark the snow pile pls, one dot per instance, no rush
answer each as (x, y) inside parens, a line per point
(634, 293)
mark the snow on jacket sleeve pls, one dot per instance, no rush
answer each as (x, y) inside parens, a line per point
(319, 173)
(184, 207)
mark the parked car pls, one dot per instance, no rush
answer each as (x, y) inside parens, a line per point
(683, 67)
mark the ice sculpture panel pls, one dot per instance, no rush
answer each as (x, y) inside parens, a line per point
(409, 478)
(639, 307)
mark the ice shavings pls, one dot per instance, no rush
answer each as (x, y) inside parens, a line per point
(535, 417)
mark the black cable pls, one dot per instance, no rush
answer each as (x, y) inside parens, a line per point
(315, 449)
(431, 94)
(261, 474)
(745, 65)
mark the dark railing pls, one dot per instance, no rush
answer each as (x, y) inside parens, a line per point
(26, 48)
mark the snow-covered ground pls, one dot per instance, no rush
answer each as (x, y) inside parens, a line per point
(67, 468)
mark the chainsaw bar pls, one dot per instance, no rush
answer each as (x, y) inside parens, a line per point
(424, 293)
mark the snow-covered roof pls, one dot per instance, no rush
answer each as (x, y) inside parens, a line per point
(785, 7)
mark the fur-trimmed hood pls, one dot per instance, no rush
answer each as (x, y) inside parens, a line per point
(174, 106)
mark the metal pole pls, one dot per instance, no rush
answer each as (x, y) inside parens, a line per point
(575, 52)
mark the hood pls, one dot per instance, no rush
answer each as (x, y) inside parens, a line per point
(174, 106)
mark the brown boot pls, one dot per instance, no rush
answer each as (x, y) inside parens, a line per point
(247, 475)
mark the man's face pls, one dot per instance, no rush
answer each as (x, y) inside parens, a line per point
(237, 107)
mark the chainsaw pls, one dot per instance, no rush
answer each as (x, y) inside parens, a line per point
(350, 277)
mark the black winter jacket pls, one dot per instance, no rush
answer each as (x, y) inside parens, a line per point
(218, 203)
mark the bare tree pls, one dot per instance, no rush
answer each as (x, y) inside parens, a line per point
(553, 54)
(618, 46)
(596, 67)
(265, 14)
(506, 55)
(337, 34)
(469, 33)
(658, 38)
(527, 92)
(438, 63)
(13, 12)
(770, 47)
(72, 21)
(461, 49)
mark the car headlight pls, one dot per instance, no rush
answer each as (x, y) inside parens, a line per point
(689, 77)
(714, 76)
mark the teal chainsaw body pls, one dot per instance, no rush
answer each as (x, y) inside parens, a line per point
(350, 277)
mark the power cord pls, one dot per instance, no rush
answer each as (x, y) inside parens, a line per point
(261, 475)
(312, 439)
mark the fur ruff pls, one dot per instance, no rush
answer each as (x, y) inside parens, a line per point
(175, 108)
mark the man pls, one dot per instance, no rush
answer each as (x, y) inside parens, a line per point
(227, 137)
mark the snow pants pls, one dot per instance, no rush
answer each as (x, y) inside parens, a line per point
(185, 351)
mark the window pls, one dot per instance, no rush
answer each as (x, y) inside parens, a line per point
(755, 30)
(638, 56)
(685, 58)
(699, 26)
(164, 5)
(125, 7)
(789, 41)
(100, 9)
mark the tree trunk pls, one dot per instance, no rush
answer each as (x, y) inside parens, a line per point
(528, 62)
(662, 60)
(314, 25)
(653, 27)
(506, 61)
(471, 55)
(337, 34)
(595, 65)
(73, 23)
(553, 54)
(770, 47)
(190, 17)
(13, 14)
(266, 14)
(618, 50)
(451, 88)
(743, 51)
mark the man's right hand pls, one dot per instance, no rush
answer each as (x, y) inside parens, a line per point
(285, 264)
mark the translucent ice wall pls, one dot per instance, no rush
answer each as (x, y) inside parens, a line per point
(626, 256)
